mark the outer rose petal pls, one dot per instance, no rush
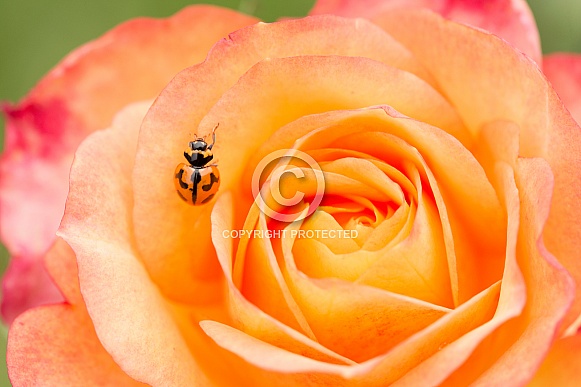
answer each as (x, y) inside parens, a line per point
(131, 318)
(130, 63)
(41, 348)
(509, 19)
(564, 72)
(562, 366)
(505, 356)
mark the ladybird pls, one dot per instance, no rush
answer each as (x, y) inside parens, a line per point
(198, 181)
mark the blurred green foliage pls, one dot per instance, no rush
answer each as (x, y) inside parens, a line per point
(559, 23)
(36, 34)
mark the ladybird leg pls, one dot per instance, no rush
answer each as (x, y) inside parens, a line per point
(213, 136)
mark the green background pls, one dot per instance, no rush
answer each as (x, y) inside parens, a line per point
(36, 34)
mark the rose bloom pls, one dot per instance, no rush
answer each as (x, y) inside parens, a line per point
(442, 144)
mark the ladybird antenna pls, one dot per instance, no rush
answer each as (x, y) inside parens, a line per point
(214, 136)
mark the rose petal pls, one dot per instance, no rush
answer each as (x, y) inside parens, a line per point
(562, 365)
(520, 94)
(368, 174)
(418, 265)
(165, 226)
(61, 266)
(498, 147)
(131, 318)
(564, 72)
(323, 220)
(289, 369)
(506, 356)
(509, 19)
(41, 348)
(130, 63)
(26, 284)
(258, 267)
(380, 370)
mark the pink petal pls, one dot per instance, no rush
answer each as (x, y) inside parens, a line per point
(509, 19)
(26, 285)
(41, 348)
(564, 72)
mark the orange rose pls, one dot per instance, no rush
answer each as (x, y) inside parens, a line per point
(448, 159)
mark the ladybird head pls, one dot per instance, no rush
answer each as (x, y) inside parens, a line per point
(198, 145)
